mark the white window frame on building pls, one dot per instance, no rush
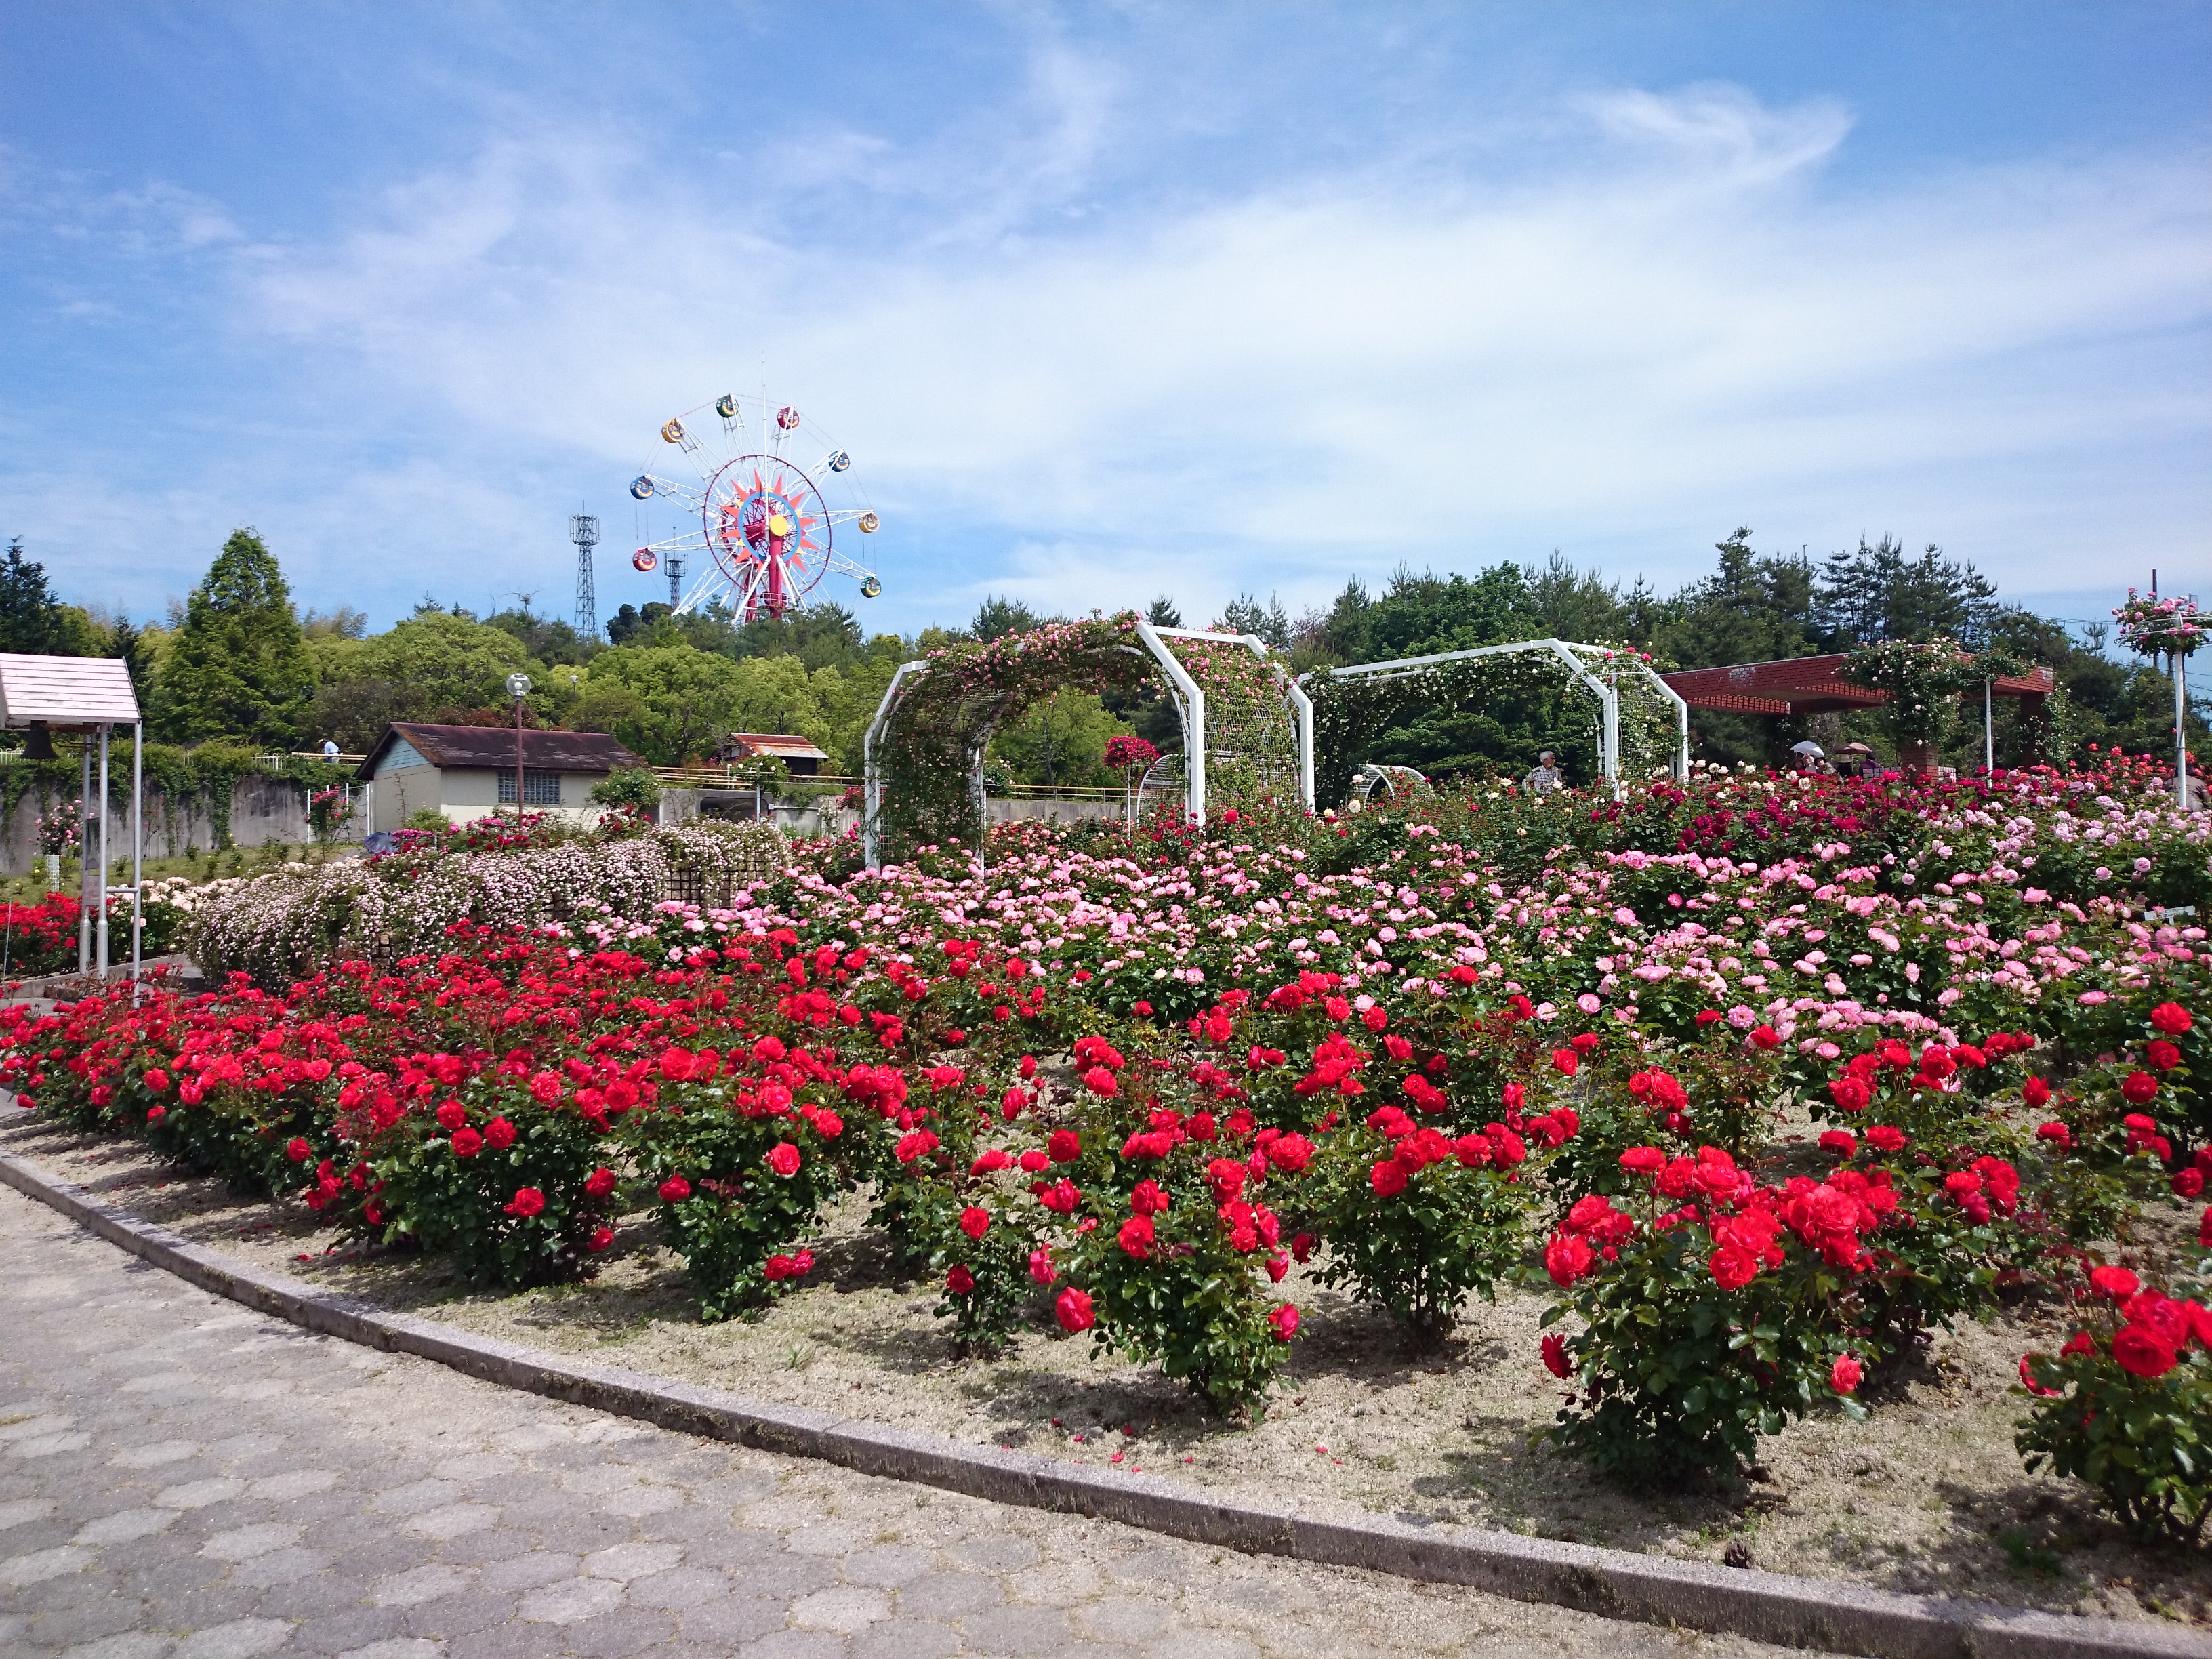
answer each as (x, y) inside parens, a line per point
(538, 789)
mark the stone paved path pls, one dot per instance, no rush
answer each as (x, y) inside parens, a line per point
(183, 1478)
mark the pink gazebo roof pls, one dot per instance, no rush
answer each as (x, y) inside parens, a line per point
(65, 691)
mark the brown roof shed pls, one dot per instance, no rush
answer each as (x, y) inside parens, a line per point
(491, 748)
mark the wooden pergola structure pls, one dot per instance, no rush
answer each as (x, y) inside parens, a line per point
(1815, 685)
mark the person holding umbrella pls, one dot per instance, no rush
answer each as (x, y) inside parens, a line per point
(1811, 757)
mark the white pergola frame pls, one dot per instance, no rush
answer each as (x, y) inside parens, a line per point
(1603, 684)
(1190, 707)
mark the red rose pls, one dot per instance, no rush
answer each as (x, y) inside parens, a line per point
(2187, 1184)
(1851, 1093)
(2028, 1379)
(1284, 1319)
(452, 1114)
(526, 1201)
(960, 1281)
(675, 1190)
(1554, 1350)
(157, 1080)
(1148, 1198)
(1843, 1376)
(1733, 1267)
(1565, 1061)
(2172, 1018)
(298, 1151)
(2116, 1283)
(1644, 1160)
(1279, 1265)
(1034, 1162)
(498, 1133)
(1135, 1238)
(545, 1087)
(467, 1143)
(1388, 1178)
(1842, 1142)
(599, 1183)
(1290, 1153)
(2139, 1088)
(1102, 1082)
(2035, 1091)
(1073, 1310)
(974, 1222)
(1041, 1267)
(601, 1238)
(1065, 1146)
(783, 1159)
(1766, 1036)
(1885, 1138)
(154, 1114)
(2141, 1352)
(1567, 1259)
(1302, 1246)
(2160, 1056)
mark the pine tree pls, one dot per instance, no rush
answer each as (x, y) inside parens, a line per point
(31, 619)
(240, 667)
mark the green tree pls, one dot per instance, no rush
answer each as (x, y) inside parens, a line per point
(238, 667)
(32, 620)
(1060, 740)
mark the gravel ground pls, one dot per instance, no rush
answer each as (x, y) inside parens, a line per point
(1929, 1495)
(183, 1478)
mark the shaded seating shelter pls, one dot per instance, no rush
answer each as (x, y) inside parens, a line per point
(85, 694)
(1816, 685)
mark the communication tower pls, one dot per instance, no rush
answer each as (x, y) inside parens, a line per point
(584, 531)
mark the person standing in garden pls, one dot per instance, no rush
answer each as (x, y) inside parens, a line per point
(1545, 777)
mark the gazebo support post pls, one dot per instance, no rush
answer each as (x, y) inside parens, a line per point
(137, 855)
(1989, 731)
(84, 860)
(101, 888)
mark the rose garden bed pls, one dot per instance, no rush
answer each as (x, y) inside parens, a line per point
(1790, 1174)
(1929, 1497)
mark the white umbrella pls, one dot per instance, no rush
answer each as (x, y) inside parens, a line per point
(1806, 748)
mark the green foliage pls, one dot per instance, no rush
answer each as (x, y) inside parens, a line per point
(238, 667)
(631, 787)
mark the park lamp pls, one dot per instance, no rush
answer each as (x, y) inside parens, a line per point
(518, 687)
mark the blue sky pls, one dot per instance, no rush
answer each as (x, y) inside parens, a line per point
(1112, 299)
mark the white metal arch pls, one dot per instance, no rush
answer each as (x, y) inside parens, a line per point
(1603, 684)
(1189, 699)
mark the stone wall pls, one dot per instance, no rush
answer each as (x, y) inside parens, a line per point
(262, 808)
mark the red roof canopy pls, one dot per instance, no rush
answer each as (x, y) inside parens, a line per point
(1809, 685)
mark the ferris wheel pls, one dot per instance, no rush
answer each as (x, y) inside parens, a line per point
(766, 521)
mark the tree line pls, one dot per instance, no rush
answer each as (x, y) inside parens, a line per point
(235, 661)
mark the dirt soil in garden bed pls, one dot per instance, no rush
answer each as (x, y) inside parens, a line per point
(1929, 1496)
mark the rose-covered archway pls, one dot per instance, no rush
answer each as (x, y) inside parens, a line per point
(1240, 713)
(1635, 720)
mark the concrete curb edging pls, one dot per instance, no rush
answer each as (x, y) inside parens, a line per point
(1766, 1607)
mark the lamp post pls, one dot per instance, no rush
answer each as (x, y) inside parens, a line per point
(518, 687)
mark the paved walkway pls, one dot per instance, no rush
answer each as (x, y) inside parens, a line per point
(182, 1478)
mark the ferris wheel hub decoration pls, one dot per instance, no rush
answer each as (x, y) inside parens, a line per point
(763, 520)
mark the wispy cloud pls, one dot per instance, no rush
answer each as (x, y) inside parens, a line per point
(1277, 390)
